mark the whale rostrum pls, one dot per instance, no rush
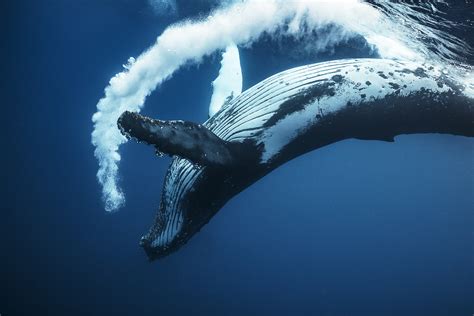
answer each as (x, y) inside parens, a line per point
(185, 139)
(283, 117)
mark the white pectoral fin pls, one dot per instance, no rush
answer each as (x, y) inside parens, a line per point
(228, 83)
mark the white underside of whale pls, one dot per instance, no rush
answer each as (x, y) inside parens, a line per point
(258, 104)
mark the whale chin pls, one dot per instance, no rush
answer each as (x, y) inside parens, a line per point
(281, 118)
(155, 252)
(192, 194)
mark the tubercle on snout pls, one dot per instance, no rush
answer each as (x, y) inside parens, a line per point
(178, 138)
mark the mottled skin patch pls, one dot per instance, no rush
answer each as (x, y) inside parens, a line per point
(381, 74)
(394, 85)
(419, 72)
(337, 78)
(307, 96)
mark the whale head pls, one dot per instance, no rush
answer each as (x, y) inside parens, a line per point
(202, 177)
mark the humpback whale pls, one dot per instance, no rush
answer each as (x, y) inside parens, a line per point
(282, 117)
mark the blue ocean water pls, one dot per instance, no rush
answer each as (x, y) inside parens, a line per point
(356, 228)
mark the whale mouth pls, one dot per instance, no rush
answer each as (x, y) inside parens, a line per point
(140, 128)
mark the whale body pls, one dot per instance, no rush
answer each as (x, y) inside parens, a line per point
(282, 117)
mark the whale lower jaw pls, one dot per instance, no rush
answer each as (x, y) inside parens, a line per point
(282, 117)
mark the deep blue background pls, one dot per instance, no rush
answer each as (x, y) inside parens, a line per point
(357, 228)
